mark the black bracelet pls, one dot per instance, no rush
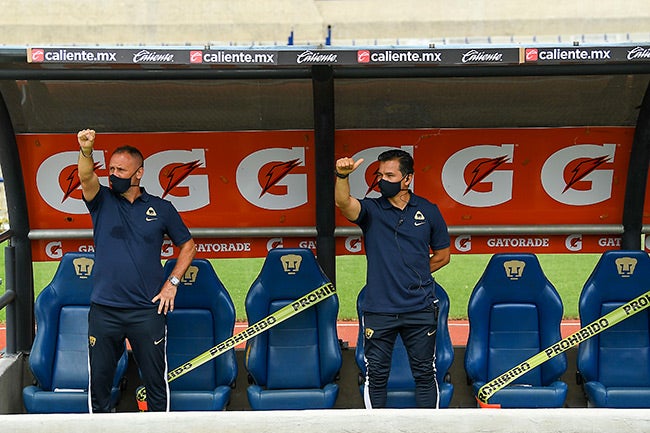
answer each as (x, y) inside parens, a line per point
(84, 155)
(341, 176)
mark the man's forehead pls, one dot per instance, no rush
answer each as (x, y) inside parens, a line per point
(389, 166)
(122, 160)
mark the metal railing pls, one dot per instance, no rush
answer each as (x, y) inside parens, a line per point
(256, 232)
(9, 296)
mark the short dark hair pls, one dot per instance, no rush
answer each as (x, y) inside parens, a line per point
(134, 152)
(405, 160)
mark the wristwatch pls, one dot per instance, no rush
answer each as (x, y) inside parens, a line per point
(175, 281)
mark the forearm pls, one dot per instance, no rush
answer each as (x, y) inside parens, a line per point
(342, 193)
(185, 257)
(438, 259)
(349, 206)
(86, 164)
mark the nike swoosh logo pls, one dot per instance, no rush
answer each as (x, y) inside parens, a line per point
(155, 343)
(419, 223)
(430, 333)
(150, 219)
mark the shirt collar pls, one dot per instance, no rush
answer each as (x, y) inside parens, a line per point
(145, 197)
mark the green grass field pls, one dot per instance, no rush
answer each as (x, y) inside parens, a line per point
(567, 272)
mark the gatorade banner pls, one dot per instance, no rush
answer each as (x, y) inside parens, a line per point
(478, 177)
(231, 248)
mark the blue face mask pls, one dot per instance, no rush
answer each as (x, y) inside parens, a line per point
(120, 184)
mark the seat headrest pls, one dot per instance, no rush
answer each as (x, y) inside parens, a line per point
(200, 286)
(514, 278)
(73, 279)
(286, 270)
(620, 275)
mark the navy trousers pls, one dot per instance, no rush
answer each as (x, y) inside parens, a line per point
(418, 332)
(147, 333)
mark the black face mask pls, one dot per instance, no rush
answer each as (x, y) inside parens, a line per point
(121, 185)
(390, 189)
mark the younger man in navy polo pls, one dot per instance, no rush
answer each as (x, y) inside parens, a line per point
(406, 239)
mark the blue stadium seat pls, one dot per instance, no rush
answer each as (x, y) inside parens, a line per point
(59, 356)
(614, 366)
(203, 316)
(294, 364)
(514, 313)
(401, 386)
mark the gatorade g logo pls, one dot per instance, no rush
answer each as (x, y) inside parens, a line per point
(169, 174)
(268, 178)
(573, 242)
(54, 250)
(463, 243)
(274, 243)
(291, 263)
(514, 269)
(474, 176)
(57, 180)
(625, 266)
(353, 244)
(189, 277)
(83, 267)
(167, 248)
(575, 176)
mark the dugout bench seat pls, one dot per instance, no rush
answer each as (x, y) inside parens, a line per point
(514, 313)
(295, 364)
(203, 316)
(401, 386)
(614, 366)
(59, 355)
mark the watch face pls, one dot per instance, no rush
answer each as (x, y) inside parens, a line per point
(174, 281)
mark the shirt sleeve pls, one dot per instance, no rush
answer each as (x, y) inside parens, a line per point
(439, 233)
(94, 204)
(363, 212)
(176, 228)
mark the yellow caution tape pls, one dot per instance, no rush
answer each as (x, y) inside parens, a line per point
(310, 299)
(596, 327)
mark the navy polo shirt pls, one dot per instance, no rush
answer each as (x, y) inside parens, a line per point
(398, 245)
(128, 238)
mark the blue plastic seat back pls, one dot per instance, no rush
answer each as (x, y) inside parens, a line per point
(291, 344)
(70, 369)
(620, 355)
(514, 313)
(59, 355)
(302, 352)
(508, 343)
(203, 316)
